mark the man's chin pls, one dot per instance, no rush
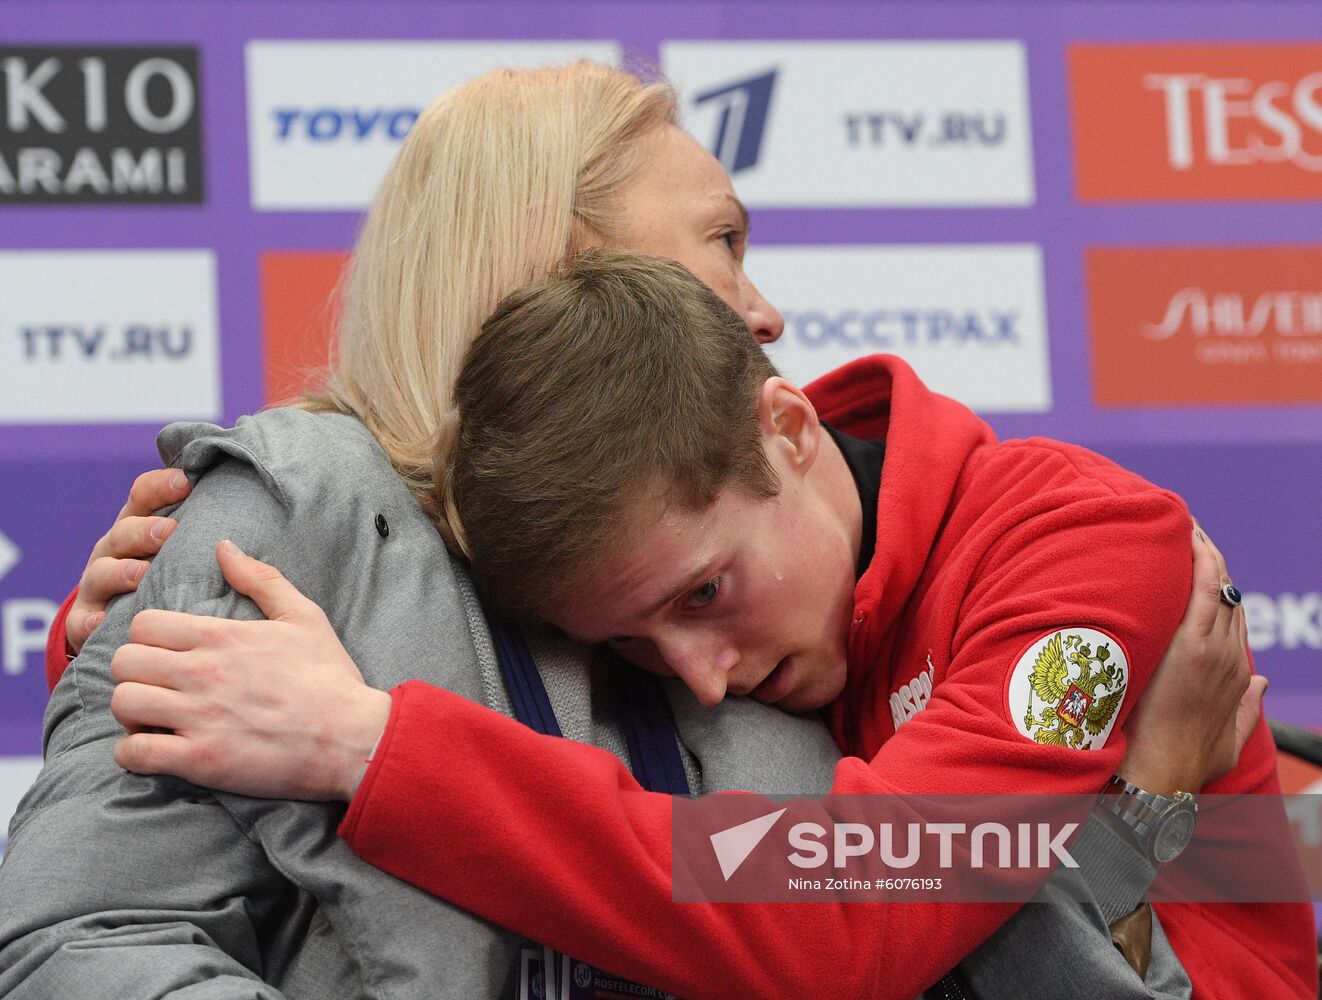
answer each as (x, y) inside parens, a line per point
(814, 696)
(779, 684)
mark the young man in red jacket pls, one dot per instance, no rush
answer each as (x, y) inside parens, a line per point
(973, 616)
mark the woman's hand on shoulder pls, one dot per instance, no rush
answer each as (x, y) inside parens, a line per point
(274, 708)
(1204, 701)
(119, 558)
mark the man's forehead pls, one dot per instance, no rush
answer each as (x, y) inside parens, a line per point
(637, 578)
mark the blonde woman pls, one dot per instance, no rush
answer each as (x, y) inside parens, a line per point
(499, 180)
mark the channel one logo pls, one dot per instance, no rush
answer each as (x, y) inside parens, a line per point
(861, 123)
(108, 336)
(1197, 122)
(97, 125)
(971, 320)
(1173, 325)
(326, 118)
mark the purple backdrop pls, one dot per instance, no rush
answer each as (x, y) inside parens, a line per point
(1251, 472)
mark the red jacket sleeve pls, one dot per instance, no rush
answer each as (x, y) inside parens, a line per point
(58, 652)
(556, 840)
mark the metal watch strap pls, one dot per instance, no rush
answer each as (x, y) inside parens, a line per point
(1140, 811)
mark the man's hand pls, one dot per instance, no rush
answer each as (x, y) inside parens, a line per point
(274, 709)
(118, 560)
(1202, 705)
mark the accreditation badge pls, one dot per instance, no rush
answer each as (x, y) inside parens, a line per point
(571, 979)
(582, 981)
(532, 979)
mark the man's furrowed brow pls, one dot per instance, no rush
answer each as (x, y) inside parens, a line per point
(691, 581)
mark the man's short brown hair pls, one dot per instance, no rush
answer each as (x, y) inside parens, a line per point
(616, 388)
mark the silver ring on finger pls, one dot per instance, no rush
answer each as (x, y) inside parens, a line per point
(1230, 595)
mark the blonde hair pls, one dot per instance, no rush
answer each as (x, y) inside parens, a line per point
(497, 182)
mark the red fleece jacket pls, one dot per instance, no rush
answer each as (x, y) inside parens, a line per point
(984, 549)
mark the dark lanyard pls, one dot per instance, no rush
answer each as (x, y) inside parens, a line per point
(648, 727)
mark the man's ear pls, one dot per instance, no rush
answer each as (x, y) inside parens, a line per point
(789, 423)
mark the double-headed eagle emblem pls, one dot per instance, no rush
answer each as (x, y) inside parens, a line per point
(1073, 689)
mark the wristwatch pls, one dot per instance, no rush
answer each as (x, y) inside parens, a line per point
(1161, 826)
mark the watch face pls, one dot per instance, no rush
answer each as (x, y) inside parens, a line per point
(1173, 836)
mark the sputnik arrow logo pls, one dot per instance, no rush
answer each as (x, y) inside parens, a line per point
(733, 846)
(10, 554)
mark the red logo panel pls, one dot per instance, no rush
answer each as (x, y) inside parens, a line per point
(298, 317)
(1206, 326)
(1197, 122)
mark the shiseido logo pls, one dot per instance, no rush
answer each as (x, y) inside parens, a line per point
(1206, 325)
(1231, 327)
(742, 111)
(1229, 121)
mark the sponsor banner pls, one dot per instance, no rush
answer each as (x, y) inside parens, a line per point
(104, 124)
(1259, 504)
(861, 123)
(1194, 122)
(26, 611)
(1284, 621)
(108, 336)
(16, 776)
(966, 848)
(298, 317)
(970, 319)
(326, 118)
(53, 513)
(1176, 325)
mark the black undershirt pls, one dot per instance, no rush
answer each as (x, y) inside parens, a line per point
(864, 459)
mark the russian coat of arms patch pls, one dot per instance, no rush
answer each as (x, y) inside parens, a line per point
(1067, 688)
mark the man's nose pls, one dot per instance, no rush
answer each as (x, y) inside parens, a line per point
(702, 664)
